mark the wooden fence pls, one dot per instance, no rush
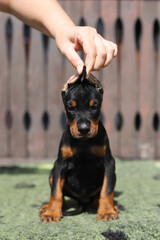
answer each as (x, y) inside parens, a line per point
(32, 73)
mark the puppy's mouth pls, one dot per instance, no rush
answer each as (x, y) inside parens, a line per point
(83, 137)
(82, 132)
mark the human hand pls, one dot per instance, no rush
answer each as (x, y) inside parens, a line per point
(55, 23)
(99, 52)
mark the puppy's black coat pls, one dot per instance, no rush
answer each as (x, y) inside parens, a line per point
(85, 168)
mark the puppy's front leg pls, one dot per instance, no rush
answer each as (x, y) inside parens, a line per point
(107, 211)
(52, 211)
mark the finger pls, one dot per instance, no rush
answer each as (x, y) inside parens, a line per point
(73, 57)
(115, 49)
(109, 59)
(110, 53)
(89, 48)
(111, 46)
(101, 53)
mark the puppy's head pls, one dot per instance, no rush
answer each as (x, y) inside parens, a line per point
(82, 102)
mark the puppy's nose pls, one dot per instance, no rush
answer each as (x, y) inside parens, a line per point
(84, 128)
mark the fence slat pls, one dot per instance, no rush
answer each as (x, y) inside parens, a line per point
(110, 76)
(36, 91)
(55, 109)
(146, 143)
(91, 11)
(157, 153)
(129, 82)
(3, 86)
(17, 91)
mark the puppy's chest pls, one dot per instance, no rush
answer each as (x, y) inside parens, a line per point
(84, 151)
(84, 156)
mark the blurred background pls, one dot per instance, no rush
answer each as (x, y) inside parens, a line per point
(32, 73)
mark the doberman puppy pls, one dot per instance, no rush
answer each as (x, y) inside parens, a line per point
(85, 168)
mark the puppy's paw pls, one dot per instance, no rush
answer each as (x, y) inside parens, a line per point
(108, 215)
(43, 209)
(49, 219)
(49, 215)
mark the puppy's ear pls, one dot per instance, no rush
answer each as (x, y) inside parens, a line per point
(101, 90)
(63, 94)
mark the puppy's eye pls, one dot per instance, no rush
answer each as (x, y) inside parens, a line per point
(72, 106)
(93, 105)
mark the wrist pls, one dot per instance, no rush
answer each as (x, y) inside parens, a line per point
(56, 20)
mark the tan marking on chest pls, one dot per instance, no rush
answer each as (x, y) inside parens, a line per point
(67, 152)
(99, 151)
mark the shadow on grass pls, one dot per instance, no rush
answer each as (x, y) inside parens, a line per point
(22, 170)
(23, 185)
(116, 195)
(119, 235)
(156, 177)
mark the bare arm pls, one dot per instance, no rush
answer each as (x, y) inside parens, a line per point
(48, 17)
(44, 15)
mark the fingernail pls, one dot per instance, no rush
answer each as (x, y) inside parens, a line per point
(88, 73)
(87, 76)
(79, 69)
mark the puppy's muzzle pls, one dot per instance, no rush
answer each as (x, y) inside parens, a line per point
(84, 127)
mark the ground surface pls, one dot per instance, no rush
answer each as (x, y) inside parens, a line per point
(24, 189)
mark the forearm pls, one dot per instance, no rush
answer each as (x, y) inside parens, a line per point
(4, 5)
(44, 15)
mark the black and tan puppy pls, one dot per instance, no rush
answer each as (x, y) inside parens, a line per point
(85, 168)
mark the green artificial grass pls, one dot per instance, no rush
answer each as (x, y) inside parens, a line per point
(24, 189)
